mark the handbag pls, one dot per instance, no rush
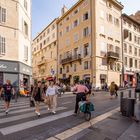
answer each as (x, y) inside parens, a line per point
(32, 103)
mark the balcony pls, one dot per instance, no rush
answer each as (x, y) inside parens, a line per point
(71, 59)
(112, 55)
(41, 62)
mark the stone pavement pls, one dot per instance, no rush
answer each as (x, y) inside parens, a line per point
(115, 127)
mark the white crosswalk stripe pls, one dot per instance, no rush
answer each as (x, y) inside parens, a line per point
(20, 116)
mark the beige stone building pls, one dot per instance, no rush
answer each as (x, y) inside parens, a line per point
(44, 53)
(90, 43)
(15, 42)
(131, 45)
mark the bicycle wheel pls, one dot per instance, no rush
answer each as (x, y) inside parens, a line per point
(87, 116)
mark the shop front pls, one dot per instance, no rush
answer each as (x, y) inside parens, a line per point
(18, 73)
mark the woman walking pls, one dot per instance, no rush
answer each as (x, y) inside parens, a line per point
(51, 93)
(37, 96)
(112, 89)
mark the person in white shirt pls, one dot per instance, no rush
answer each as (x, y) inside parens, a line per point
(51, 93)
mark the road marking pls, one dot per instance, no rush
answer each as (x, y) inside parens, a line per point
(23, 110)
(30, 124)
(27, 115)
(70, 132)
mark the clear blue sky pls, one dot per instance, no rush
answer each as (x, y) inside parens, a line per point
(44, 11)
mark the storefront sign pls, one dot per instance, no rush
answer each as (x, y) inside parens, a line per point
(2, 66)
(8, 66)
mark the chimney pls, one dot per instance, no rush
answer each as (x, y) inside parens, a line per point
(64, 10)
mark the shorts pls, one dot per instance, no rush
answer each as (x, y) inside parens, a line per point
(7, 98)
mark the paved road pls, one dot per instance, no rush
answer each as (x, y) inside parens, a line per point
(22, 123)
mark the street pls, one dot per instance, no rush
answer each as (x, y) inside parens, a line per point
(22, 123)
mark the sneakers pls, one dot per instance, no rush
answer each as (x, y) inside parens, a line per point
(6, 112)
(53, 112)
(38, 114)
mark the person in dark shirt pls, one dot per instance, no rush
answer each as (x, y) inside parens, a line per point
(8, 90)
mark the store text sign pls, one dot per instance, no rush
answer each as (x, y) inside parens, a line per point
(2, 66)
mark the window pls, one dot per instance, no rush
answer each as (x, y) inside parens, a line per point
(25, 28)
(130, 36)
(86, 46)
(130, 62)
(44, 42)
(60, 70)
(40, 45)
(117, 50)
(125, 61)
(116, 21)
(53, 27)
(60, 33)
(75, 51)
(67, 42)
(76, 11)
(2, 15)
(130, 49)
(67, 18)
(48, 31)
(86, 65)
(25, 4)
(51, 54)
(75, 24)
(136, 63)
(86, 32)
(53, 35)
(67, 29)
(2, 45)
(75, 67)
(125, 47)
(76, 37)
(37, 40)
(48, 39)
(85, 16)
(135, 52)
(67, 69)
(26, 53)
(109, 18)
(40, 37)
(109, 4)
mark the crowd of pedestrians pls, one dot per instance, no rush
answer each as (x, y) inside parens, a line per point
(48, 93)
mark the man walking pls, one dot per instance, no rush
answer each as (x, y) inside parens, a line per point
(8, 90)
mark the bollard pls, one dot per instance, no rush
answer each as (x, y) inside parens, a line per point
(129, 94)
(121, 96)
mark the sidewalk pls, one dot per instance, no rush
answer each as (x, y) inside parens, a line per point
(115, 127)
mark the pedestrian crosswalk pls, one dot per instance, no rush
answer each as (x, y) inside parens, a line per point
(22, 117)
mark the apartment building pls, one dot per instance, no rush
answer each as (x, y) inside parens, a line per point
(15, 42)
(131, 45)
(89, 42)
(44, 53)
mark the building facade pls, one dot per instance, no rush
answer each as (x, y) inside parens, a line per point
(15, 42)
(131, 45)
(44, 53)
(90, 43)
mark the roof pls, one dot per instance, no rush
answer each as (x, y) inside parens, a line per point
(131, 19)
(44, 29)
(80, 1)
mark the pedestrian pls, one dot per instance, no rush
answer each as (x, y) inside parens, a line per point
(8, 90)
(37, 95)
(112, 89)
(81, 91)
(116, 89)
(51, 93)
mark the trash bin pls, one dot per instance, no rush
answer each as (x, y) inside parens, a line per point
(127, 107)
